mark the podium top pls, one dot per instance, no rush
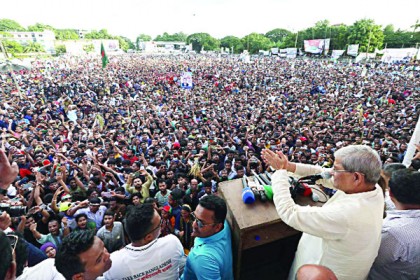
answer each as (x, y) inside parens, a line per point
(250, 216)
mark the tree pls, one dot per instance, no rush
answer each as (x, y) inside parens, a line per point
(39, 27)
(142, 38)
(33, 47)
(101, 34)
(125, 43)
(389, 30)
(203, 41)
(367, 34)
(339, 36)
(60, 49)
(66, 34)
(255, 42)
(12, 47)
(176, 37)
(278, 35)
(232, 42)
(10, 25)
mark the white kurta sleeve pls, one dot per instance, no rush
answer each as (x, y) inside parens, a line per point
(326, 222)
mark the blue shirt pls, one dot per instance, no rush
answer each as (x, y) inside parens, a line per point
(399, 254)
(211, 257)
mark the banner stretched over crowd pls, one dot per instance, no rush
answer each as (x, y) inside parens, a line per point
(336, 54)
(392, 55)
(363, 56)
(291, 52)
(317, 46)
(353, 50)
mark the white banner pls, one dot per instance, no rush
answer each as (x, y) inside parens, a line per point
(336, 54)
(392, 55)
(291, 52)
(326, 46)
(353, 50)
(362, 56)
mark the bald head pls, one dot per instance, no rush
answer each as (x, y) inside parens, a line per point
(315, 272)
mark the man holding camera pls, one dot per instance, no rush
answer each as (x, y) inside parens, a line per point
(343, 235)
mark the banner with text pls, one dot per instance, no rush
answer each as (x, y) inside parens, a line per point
(291, 52)
(317, 46)
(353, 50)
(336, 54)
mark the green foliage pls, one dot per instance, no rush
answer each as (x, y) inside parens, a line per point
(60, 49)
(278, 35)
(144, 38)
(12, 47)
(33, 47)
(400, 38)
(6, 34)
(339, 37)
(101, 34)
(89, 48)
(10, 25)
(232, 41)
(367, 34)
(203, 41)
(125, 43)
(176, 37)
(39, 27)
(289, 41)
(255, 42)
(66, 34)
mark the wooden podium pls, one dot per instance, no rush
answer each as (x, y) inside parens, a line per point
(263, 246)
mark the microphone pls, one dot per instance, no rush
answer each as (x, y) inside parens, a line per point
(316, 177)
(247, 194)
(260, 188)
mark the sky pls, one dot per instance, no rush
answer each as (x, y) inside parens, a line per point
(219, 18)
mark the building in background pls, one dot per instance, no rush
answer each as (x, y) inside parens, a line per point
(76, 47)
(46, 39)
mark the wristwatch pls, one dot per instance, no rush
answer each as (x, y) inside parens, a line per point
(3, 192)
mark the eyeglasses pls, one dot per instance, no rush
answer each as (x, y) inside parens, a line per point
(200, 223)
(342, 170)
(159, 226)
(13, 239)
(339, 170)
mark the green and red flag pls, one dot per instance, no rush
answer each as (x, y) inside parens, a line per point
(103, 55)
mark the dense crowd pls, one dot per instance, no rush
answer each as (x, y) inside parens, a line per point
(93, 143)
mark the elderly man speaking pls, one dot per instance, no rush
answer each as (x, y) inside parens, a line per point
(343, 235)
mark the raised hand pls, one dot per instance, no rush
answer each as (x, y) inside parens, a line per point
(275, 160)
(8, 171)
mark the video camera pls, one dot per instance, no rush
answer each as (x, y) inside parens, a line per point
(13, 211)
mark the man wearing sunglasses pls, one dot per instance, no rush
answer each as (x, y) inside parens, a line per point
(211, 256)
(148, 256)
(343, 235)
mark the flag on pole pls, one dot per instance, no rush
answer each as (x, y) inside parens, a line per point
(104, 56)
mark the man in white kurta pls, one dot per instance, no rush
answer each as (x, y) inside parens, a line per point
(343, 235)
